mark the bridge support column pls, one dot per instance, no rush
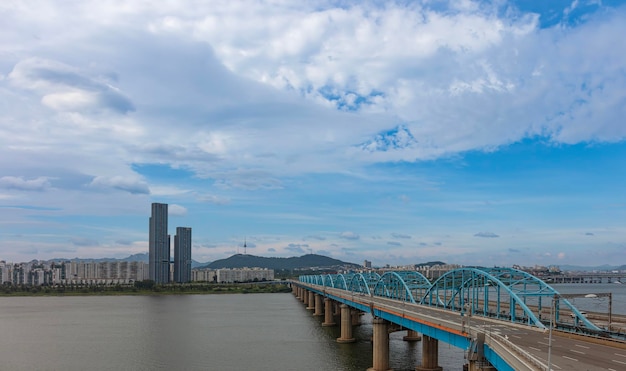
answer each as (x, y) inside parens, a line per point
(318, 305)
(412, 336)
(311, 301)
(328, 313)
(346, 325)
(380, 351)
(356, 317)
(430, 355)
(304, 296)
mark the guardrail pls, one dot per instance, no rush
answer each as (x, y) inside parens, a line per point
(505, 346)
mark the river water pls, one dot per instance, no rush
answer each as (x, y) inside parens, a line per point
(600, 304)
(201, 332)
(186, 332)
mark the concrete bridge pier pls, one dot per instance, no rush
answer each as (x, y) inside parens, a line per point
(356, 317)
(305, 296)
(430, 355)
(412, 336)
(328, 313)
(311, 301)
(380, 351)
(319, 311)
(346, 325)
(336, 309)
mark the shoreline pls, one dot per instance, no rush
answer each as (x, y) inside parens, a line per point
(157, 290)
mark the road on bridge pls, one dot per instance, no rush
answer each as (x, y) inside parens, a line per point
(568, 352)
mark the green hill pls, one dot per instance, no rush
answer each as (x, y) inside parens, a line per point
(301, 262)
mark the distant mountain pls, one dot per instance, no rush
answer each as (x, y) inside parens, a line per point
(141, 257)
(305, 261)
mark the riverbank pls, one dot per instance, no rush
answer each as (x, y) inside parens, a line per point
(143, 289)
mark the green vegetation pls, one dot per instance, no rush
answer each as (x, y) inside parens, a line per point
(144, 288)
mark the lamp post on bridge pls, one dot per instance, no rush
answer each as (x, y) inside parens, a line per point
(550, 333)
(466, 313)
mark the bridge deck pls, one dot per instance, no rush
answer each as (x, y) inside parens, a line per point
(507, 345)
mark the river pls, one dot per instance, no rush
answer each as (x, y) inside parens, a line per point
(202, 332)
(600, 304)
(186, 332)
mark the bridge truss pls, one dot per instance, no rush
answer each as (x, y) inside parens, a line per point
(501, 293)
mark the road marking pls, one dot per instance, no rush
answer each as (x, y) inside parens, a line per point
(577, 351)
(612, 369)
(570, 358)
(620, 362)
(546, 344)
(582, 346)
(515, 336)
(553, 365)
(538, 350)
(621, 355)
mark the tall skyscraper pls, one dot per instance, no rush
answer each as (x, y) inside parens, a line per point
(159, 245)
(182, 255)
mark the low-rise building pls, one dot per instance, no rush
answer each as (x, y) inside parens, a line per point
(39, 273)
(244, 275)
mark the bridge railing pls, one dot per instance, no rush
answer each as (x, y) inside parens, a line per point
(496, 341)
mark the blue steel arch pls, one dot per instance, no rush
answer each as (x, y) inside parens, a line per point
(340, 282)
(371, 278)
(468, 290)
(328, 280)
(459, 290)
(358, 283)
(392, 285)
(317, 279)
(417, 283)
(527, 286)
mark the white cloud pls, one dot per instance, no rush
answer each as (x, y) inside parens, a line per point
(19, 183)
(213, 199)
(176, 210)
(65, 88)
(436, 89)
(135, 186)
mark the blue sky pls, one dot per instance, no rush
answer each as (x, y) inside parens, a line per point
(472, 132)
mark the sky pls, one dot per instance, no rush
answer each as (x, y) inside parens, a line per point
(401, 132)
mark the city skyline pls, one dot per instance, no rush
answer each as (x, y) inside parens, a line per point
(474, 132)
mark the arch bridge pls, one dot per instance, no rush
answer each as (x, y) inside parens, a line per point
(505, 294)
